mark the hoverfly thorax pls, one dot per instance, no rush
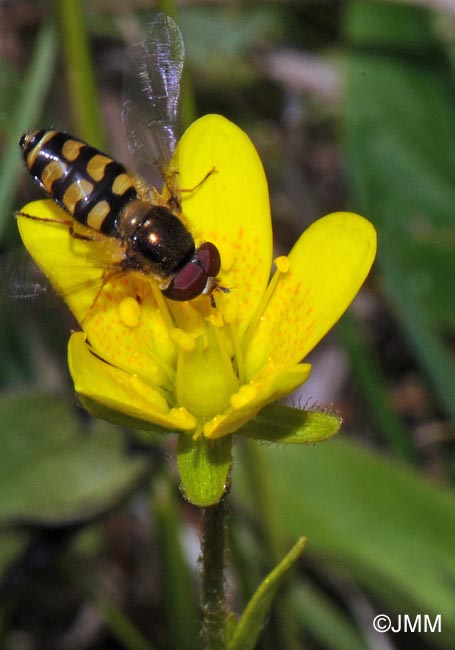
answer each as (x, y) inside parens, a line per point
(157, 241)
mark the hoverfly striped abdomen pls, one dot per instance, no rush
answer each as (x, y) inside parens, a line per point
(98, 192)
(91, 186)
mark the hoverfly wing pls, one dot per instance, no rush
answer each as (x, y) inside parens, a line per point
(75, 275)
(24, 288)
(151, 94)
(22, 279)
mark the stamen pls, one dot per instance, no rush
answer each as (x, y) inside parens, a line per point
(166, 371)
(230, 308)
(246, 394)
(162, 306)
(227, 255)
(216, 319)
(238, 353)
(282, 263)
(129, 312)
(281, 268)
(210, 426)
(220, 339)
(159, 376)
(181, 415)
(198, 431)
(182, 339)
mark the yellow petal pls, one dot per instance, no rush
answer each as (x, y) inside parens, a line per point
(327, 267)
(253, 396)
(127, 329)
(120, 316)
(230, 208)
(121, 391)
(75, 267)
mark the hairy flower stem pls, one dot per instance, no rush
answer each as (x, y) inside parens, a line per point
(213, 536)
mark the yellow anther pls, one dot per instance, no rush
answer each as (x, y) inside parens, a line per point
(130, 312)
(230, 308)
(182, 339)
(182, 418)
(210, 426)
(216, 319)
(227, 256)
(282, 264)
(246, 394)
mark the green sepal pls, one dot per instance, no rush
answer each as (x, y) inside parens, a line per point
(277, 423)
(204, 467)
(252, 620)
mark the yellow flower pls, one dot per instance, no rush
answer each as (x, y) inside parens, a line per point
(188, 367)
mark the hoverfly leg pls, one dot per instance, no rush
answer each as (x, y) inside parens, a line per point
(108, 274)
(201, 182)
(78, 235)
(219, 287)
(171, 186)
(67, 222)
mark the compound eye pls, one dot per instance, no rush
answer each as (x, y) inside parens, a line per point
(188, 283)
(208, 257)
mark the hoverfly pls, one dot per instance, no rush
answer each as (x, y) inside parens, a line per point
(100, 193)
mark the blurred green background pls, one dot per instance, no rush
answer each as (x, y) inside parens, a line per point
(351, 106)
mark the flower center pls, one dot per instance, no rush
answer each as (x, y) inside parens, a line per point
(205, 376)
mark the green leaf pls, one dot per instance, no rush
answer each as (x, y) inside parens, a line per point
(323, 620)
(227, 36)
(9, 86)
(120, 625)
(252, 620)
(399, 126)
(382, 523)
(303, 606)
(368, 373)
(204, 467)
(82, 85)
(178, 589)
(54, 469)
(283, 424)
(430, 276)
(26, 113)
(385, 26)
(12, 543)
